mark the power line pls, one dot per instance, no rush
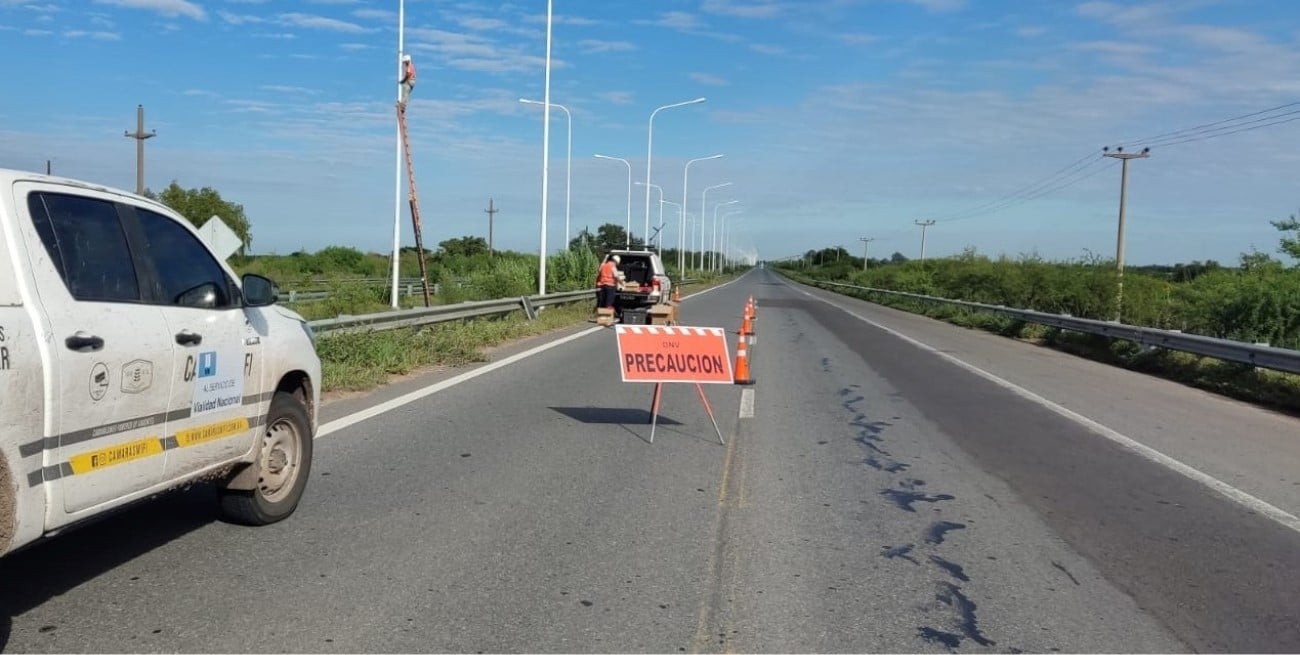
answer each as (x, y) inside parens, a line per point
(1148, 140)
(1233, 129)
(1064, 182)
(1066, 170)
(1087, 166)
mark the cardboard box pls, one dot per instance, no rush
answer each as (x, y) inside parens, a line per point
(662, 314)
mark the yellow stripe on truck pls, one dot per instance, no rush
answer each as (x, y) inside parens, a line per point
(211, 432)
(120, 454)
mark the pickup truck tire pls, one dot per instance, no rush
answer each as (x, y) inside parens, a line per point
(283, 465)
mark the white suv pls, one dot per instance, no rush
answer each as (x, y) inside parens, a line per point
(133, 360)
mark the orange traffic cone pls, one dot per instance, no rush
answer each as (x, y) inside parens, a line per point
(742, 363)
(753, 309)
(677, 294)
(746, 329)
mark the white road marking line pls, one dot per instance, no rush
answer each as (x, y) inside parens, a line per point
(1224, 489)
(405, 399)
(746, 403)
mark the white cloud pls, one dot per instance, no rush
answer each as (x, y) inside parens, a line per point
(706, 78)
(98, 36)
(562, 19)
(1115, 48)
(1031, 31)
(34, 32)
(940, 5)
(480, 24)
(765, 49)
(240, 19)
(677, 20)
(168, 8)
(375, 14)
(591, 46)
(743, 9)
(320, 22)
(355, 47)
(285, 36)
(293, 90)
(616, 97)
(856, 38)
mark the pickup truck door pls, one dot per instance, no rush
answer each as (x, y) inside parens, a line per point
(215, 396)
(109, 353)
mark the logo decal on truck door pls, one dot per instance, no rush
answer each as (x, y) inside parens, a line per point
(98, 381)
(220, 383)
(137, 376)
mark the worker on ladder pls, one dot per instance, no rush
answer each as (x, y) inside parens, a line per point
(408, 79)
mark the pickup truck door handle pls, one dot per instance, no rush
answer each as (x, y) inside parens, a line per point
(83, 342)
(187, 338)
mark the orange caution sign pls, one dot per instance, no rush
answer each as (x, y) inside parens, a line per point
(655, 353)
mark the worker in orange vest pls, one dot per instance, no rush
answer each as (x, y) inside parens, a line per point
(607, 282)
(408, 79)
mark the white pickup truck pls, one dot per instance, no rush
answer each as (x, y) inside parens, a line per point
(133, 360)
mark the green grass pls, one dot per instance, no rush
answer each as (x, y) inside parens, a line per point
(1273, 389)
(365, 360)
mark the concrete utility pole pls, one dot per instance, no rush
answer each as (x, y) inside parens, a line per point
(865, 241)
(139, 137)
(491, 211)
(924, 225)
(1119, 240)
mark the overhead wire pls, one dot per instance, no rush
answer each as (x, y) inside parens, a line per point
(1087, 166)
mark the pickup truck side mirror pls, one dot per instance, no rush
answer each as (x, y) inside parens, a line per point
(259, 291)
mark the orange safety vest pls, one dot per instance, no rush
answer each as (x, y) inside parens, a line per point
(606, 276)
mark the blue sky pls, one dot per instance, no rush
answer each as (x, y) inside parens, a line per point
(838, 119)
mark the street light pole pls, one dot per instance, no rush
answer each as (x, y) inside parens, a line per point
(546, 156)
(713, 243)
(865, 241)
(568, 166)
(397, 157)
(685, 174)
(628, 236)
(649, 150)
(726, 235)
(661, 218)
(1119, 239)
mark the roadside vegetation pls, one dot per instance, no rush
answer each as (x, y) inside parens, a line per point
(462, 269)
(1255, 301)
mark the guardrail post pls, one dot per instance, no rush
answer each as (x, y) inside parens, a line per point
(293, 295)
(529, 310)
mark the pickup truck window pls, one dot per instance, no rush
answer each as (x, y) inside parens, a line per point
(84, 239)
(190, 276)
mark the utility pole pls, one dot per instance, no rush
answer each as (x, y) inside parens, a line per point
(924, 225)
(47, 167)
(491, 211)
(1119, 239)
(139, 137)
(865, 241)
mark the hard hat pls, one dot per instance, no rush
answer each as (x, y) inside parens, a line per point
(406, 57)
(617, 259)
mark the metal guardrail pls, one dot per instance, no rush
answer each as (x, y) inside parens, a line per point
(1277, 359)
(427, 315)
(473, 309)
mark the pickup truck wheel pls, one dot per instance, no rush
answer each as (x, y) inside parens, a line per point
(283, 464)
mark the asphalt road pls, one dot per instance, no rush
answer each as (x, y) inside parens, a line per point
(883, 498)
